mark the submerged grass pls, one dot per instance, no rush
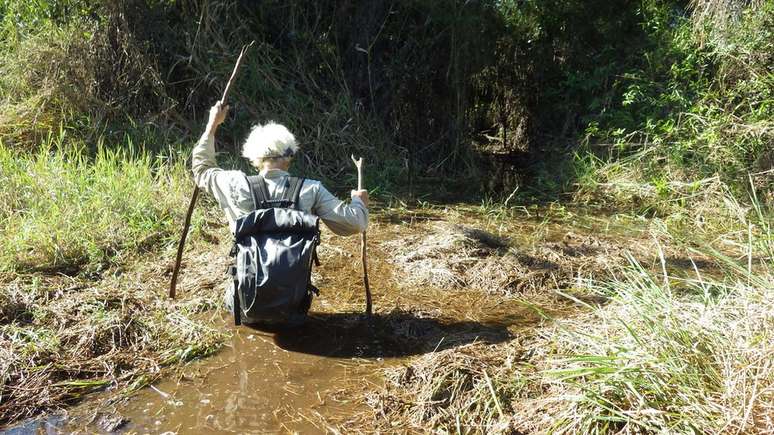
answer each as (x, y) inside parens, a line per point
(64, 337)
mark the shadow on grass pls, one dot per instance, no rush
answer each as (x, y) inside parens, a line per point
(389, 335)
(395, 216)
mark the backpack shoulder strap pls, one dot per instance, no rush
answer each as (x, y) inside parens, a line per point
(262, 199)
(293, 192)
(258, 189)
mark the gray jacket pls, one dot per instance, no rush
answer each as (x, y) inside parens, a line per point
(231, 190)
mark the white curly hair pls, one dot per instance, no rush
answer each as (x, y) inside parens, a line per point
(269, 141)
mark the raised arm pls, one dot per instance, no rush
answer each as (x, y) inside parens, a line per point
(229, 188)
(203, 163)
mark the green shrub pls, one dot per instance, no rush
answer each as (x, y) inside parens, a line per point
(700, 108)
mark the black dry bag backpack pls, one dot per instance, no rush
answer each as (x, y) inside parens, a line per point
(273, 252)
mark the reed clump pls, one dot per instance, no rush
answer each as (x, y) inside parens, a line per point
(657, 360)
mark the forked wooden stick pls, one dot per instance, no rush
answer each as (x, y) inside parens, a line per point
(359, 164)
(187, 223)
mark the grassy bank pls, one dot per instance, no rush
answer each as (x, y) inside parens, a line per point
(669, 353)
(64, 209)
(84, 265)
(665, 355)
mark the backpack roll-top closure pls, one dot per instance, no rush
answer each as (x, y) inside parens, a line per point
(276, 220)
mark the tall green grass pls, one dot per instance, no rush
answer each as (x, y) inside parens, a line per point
(656, 363)
(63, 208)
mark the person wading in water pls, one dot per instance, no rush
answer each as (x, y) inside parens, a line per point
(270, 149)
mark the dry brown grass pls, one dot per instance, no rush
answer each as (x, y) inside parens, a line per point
(450, 391)
(63, 337)
(452, 256)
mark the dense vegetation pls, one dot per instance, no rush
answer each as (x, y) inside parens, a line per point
(654, 108)
(425, 88)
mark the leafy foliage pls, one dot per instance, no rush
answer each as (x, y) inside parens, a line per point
(697, 108)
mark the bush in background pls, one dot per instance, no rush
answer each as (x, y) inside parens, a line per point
(698, 113)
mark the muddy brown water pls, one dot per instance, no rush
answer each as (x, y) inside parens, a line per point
(308, 379)
(281, 381)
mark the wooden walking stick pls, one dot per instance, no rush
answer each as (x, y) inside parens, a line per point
(187, 223)
(359, 164)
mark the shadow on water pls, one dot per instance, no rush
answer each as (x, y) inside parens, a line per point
(389, 335)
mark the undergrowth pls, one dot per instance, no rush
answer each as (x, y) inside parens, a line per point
(694, 119)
